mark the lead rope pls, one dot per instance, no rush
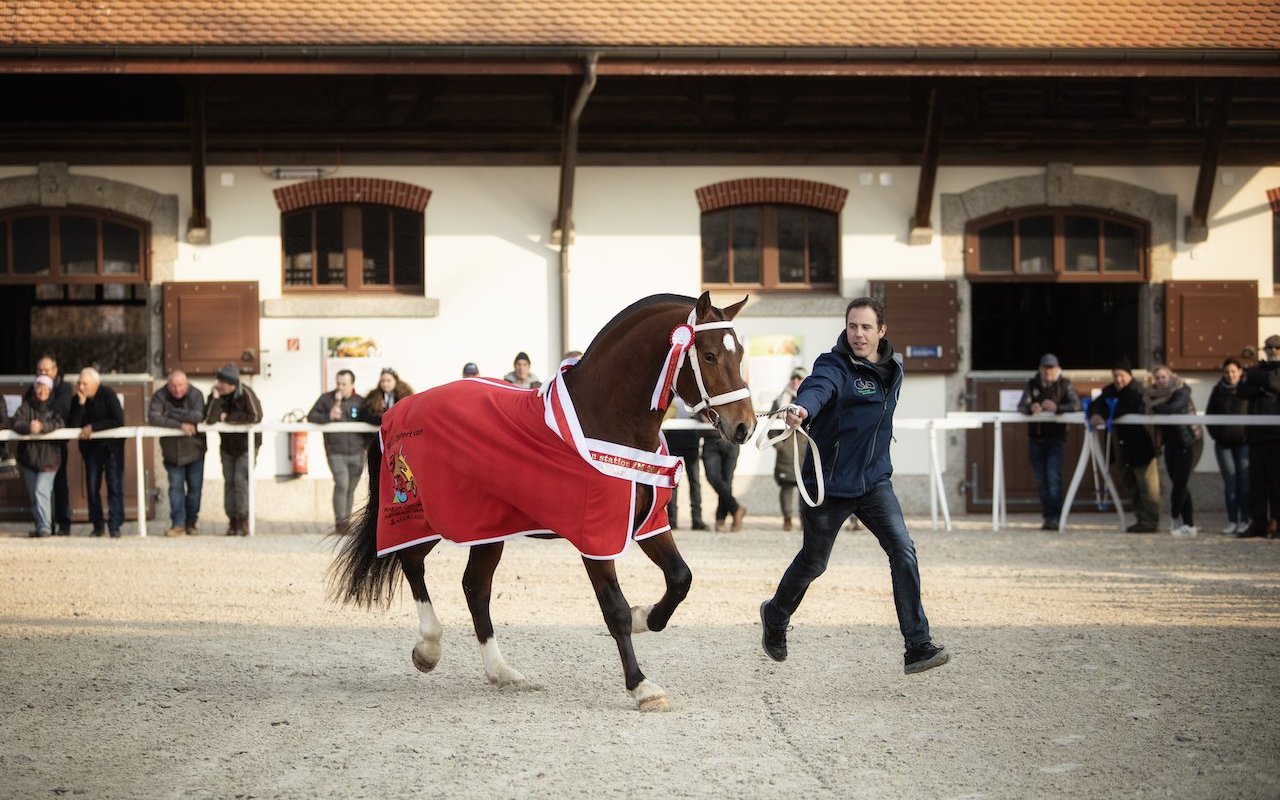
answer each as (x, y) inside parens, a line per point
(763, 440)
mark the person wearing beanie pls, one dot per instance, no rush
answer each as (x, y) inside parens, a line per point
(1048, 392)
(39, 460)
(233, 402)
(470, 370)
(97, 408)
(520, 374)
(1130, 448)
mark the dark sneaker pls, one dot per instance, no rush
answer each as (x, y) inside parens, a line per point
(698, 526)
(923, 657)
(1251, 532)
(97, 532)
(774, 638)
(115, 533)
(1139, 527)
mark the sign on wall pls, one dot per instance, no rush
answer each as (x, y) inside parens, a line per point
(359, 354)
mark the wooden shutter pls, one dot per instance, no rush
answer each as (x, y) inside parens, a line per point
(207, 325)
(1207, 321)
(921, 316)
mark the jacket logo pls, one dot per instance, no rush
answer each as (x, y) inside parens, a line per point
(863, 386)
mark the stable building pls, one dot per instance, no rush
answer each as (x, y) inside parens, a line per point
(297, 188)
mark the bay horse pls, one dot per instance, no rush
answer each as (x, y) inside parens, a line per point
(610, 405)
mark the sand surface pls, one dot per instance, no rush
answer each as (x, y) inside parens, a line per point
(1088, 664)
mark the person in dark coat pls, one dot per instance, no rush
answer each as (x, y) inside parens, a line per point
(97, 408)
(39, 460)
(1133, 451)
(345, 451)
(1182, 444)
(174, 405)
(848, 404)
(1261, 388)
(232, 401)
(1048, 392)
(1230, 447)
(63, 392)
(686, 443)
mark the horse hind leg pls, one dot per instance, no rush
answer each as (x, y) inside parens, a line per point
(648, 695)
(426, 653)
(662, 550)
(477, 585)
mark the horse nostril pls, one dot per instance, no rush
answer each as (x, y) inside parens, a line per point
(741, 433)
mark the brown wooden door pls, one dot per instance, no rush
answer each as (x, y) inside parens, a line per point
(1020, 484)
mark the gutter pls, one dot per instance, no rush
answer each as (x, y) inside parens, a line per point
(564, 209)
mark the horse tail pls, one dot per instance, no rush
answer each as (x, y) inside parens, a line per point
(358, 576)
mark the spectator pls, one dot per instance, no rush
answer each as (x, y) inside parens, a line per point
(785, 452)
(520, 375)
(1182, 444)
(684, 442)
(97, 408)
(39, 460)
(174, 405)
(470, 370)
(233, 402)
(849, 402)
(1230, 447)
(1133, 453)
(61, 404)
(1261, 387)
(344, 451)
(720, 460)
(1048, 392)
(389, 391)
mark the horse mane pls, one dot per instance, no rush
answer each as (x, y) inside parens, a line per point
(642, 303)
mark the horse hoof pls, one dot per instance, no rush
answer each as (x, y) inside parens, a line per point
(650, 696)
(508, 679)
(426, 655)
(654, 704)
(640, 619)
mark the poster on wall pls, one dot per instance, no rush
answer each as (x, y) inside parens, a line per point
(359, 354)
(770, 360)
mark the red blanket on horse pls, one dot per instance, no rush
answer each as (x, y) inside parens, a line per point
(517, 464)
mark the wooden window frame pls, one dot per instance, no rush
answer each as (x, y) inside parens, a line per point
(769, 259)
(55, 273)
(972, 252)
(353, 252)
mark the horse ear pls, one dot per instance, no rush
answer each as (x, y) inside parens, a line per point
(703, 306)
(732, 311)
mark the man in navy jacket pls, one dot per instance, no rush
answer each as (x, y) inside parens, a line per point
(848, 403)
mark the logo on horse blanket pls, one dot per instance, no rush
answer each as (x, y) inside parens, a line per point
(520, 464)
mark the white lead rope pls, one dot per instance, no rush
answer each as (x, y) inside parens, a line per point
(763, 441)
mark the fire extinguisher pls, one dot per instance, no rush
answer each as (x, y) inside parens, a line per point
(297, 443)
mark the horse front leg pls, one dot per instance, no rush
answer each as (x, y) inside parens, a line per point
(426, 653)
(477, 585)
(648, 695)
(662, 550)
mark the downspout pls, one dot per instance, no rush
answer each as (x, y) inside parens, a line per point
(564, 212)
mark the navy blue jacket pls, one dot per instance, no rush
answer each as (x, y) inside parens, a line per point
(850, 418)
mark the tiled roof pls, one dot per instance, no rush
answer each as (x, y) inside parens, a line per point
(922, 24)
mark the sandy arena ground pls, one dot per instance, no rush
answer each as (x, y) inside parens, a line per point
(1088, 664)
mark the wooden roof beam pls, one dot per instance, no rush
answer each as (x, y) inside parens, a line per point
(920, 229)
(1197, 225)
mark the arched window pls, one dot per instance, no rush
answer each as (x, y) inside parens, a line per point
(71, 246)
(771, 233)
(1057, 244)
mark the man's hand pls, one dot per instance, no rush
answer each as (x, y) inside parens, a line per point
(796, 416)
(216, 394)
(188, 429)
(80, 396)
(37, 426)
(222, 417)
(1097, 421)
(335, 413)
(1035, 408)
(86, 432)
(1049, 406)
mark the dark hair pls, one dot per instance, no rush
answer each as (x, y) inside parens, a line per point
(342, 372)
(1230, 361)
(866, 302)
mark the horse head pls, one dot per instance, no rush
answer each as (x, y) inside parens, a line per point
(712, 378)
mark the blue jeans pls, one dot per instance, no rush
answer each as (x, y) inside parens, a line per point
(880, 513)
(185, 485)
(1233, 465)
(40, 488)
(107, 460)
(1046, 465)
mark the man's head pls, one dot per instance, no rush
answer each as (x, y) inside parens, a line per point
(345, 382)
(47, 366)
(1122, 373)
(177, 384)
(864, 326)
(227, 379)
(1272, 347)
(797, 377)
(88, 382)
(470, 370)
(521, 365)
(1049, 368)
(42, 388)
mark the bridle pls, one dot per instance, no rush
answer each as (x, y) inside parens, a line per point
(684, 343)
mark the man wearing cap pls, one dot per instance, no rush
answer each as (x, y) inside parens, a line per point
(97, 408)
(470, 370)
(232, 401)
(1134, 466)
(1261, 387)
(1048, 392)
(174, 405)
(520, 374)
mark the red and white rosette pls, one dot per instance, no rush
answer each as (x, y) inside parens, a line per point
(681, 341)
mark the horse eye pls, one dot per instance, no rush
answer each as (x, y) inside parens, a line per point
(710, 358)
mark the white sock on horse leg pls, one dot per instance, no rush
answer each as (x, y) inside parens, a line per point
(426, 653)
(640, 618)
(496, 669)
